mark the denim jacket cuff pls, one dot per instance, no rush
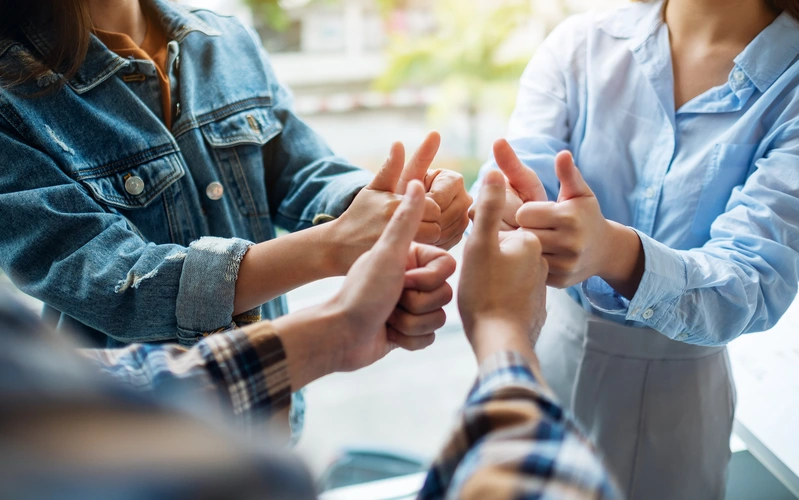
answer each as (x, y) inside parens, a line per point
(208, 287)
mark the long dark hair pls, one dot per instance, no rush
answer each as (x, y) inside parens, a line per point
(68, 24)
(789, 6)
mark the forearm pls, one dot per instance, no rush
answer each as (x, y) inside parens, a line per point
(492, 336)
(273, 268)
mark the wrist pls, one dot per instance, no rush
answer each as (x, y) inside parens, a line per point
(624, 267)
(494, 334)
(312, 351)
(329, 249)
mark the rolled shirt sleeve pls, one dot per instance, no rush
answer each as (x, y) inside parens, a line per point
(208, 285)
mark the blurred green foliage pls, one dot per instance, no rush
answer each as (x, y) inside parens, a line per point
(464, 58)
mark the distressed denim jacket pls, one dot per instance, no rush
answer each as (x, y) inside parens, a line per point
(130, 232)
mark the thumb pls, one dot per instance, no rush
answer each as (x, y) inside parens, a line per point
(490, 204)
(572, 184)
(389, 174)
(521, 178)
(396, 239)
(416, 169)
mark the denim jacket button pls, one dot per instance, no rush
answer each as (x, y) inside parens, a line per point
(134, 185)
(215, 191)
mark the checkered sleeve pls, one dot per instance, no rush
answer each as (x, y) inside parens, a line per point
(242, 371)
(514, 441)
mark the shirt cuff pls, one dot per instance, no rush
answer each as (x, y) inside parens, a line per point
(663, 283)
(252, 366)
(208, 287)
(500, 371)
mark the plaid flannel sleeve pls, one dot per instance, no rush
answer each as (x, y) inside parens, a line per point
(243, 372)
(514, 441)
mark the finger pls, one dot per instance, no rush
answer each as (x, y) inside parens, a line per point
(538, 215)
(449, 245)
(523, 179)
(416, 302)
(572, 184)
(428, 233)
(553, 243)
(416, 169)
(454, 222)
(401, 229)
(410, 343)
(490, 204)
(431, 276)
(389, 174)
(446, 188)
(416, 325)
(432, 212)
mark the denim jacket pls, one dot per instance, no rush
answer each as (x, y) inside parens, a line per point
(130, 232)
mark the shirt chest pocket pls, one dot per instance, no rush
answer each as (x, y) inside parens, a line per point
(131, 188)
(236, 144)
(728, 168)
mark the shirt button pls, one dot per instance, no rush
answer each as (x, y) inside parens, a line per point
(682, 336)
(650, 193)
(134, 185)
(739, 76)
(648, 314)
(215, 191)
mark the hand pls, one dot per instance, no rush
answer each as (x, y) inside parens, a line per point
(426, 292)
(502, 296)
(361, 225)
(448, 190)
(523, 185)
(375, 285)
(350, 331)
(577, 241)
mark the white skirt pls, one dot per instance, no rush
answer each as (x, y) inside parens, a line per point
(659, 411)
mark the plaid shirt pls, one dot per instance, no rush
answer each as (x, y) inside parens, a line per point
(240, 371)
(512, 440)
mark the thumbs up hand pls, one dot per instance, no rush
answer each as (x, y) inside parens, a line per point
(522, 185)
(357, 230)
(577, 241)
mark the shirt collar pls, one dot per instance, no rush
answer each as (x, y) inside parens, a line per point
(763, 61)
(636, 22)
(771, 52)
(101, 63)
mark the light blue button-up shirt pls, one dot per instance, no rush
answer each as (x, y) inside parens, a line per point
(711, 188)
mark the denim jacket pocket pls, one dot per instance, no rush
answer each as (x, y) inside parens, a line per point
(131, 186)
(237, 143)
(729, 168)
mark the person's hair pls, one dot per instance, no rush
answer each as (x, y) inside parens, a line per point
(789, 6)
(68, 25)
